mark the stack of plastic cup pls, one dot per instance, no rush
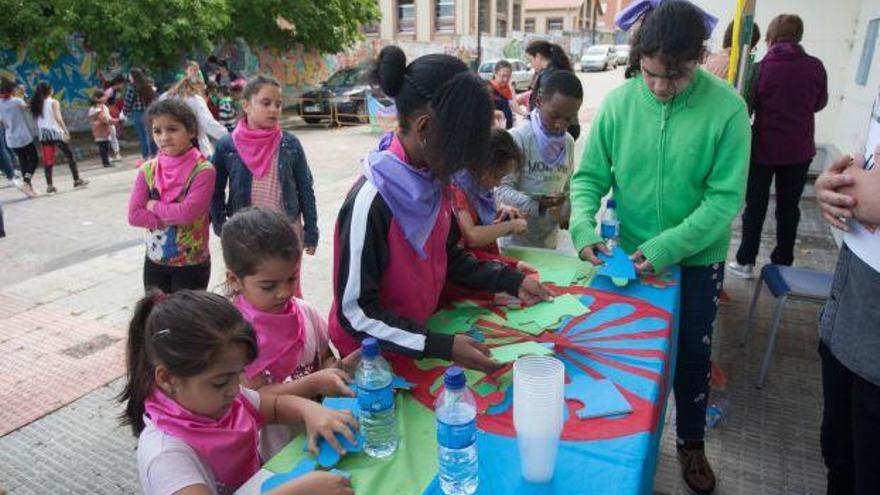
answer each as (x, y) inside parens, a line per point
(538, 399)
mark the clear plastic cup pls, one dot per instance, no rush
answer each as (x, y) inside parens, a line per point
(538, 401)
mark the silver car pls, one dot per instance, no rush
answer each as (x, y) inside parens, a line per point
(622, 54)
(599, 57)
(520, 78)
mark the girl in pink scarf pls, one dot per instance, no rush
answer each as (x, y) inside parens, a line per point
(261, 251)
(171, 198)
(197, 427)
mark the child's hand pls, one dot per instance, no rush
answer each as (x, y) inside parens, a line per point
(310, 250)
(525, 267)
(519, 226)
(321, 482)
(532, 292)
(469, 353)
(151, 204)
(589, 253)
(642, 264)
(505, 213)
(331, 382)
(324, 422)
(349, 363)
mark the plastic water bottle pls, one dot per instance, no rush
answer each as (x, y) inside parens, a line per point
(456, 435)
(376, 401)
(717, 410)
(610, 227)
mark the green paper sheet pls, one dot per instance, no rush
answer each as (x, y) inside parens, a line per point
(409, 470)
(449, 322)
(557, 268)
(510, 353)
(546, 314)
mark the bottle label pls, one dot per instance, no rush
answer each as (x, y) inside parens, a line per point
(456, 436)
(375, 400)
(609, 230)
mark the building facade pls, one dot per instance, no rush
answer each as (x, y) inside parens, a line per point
(545, 17)
(445, 20)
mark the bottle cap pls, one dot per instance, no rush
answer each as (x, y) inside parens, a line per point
(370, 347)
(454, 378)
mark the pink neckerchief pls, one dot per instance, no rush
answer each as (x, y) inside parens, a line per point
(280, 339)
(228, 444)
(172, 173)
(396, 147)
(256, 146)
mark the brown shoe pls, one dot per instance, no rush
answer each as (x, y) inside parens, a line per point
(695, 468)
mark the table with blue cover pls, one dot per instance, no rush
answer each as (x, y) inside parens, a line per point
(626, 336)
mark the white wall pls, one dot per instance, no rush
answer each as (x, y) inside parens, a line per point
(830, 27)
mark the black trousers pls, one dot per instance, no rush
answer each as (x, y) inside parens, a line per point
(790, 181)
(850, 429)
(174, 278)
(104, 151)
(28, 159)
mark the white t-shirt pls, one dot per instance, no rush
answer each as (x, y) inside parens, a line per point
(167, 464)
(13, 115)
(862, 239)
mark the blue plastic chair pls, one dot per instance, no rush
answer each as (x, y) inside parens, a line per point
(785, 283)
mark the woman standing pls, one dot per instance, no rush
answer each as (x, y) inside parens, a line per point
(546, 58)
(503, 94)
(53, 132)
(672, 145)
(791, 87)
(137, 97)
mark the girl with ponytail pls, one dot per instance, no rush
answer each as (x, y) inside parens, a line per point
(547, 58)
(198, 431)
(396, 244)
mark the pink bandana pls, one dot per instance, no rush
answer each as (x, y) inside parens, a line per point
(256, 146)
(172, 173)
(228, 444)
(280, 339)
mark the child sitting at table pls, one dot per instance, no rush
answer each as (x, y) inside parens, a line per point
(198, 430)
(539, 187)
(480, 222)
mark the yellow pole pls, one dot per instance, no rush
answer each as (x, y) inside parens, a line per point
(735, 46)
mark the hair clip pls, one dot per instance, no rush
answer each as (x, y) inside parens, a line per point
(161, 333)
(159, 297)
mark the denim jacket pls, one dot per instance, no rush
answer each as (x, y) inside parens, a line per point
(297, 193)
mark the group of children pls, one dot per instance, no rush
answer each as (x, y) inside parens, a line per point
(207, 372)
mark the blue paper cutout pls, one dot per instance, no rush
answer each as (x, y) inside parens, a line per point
(618, 265)
(304, 467)
(599, 397)
(327, 455)
(400, 383)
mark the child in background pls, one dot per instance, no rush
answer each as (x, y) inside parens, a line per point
(198, 430)
(227, 113)
(102, 125)
(265, 166)
(396, 246)
(539, 187)
(171, 198)
(18, 134)
(53, 133)
(262, 253)
(212, 98)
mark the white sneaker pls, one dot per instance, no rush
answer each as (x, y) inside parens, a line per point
(741, 271)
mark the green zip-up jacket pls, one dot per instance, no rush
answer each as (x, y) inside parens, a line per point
(677, 170)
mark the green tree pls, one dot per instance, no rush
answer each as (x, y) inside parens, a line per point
(328, 26)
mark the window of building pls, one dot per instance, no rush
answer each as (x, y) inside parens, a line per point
(554, 24)
(516, 25)
(444, 16)
(868, 52)
(373, 28)
(529, 25)
(406, 16)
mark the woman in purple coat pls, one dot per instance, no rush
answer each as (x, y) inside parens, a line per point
(790, 88)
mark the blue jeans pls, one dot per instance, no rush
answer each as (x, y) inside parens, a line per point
(148, 147)
(6, 160)
(700, 288)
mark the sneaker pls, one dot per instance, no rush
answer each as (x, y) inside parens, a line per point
(80, 183)
(29, 190)
(51, 190)
(116, 157)
(741, 271)
(695, 468)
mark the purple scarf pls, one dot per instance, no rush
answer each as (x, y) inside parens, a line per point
(551, 146)
(482, 199)
(632, 14)
(414, 196)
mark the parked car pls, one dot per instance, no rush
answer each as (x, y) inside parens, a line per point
(520, 79)
(622, 54)
(599, 57)
(347, 89)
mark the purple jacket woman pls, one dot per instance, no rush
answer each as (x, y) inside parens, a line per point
(790, 87)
